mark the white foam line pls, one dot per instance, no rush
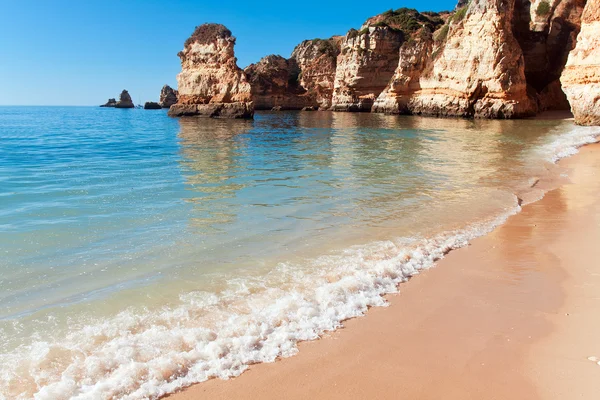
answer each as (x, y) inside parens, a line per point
(568, 144)
(220, 335)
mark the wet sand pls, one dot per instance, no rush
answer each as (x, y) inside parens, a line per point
(512, 316)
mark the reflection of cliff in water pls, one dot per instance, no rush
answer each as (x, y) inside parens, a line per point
(211, 164)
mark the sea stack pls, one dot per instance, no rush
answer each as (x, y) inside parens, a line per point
(210, 82)
(168, 96)
(581, 76)
(124, 101)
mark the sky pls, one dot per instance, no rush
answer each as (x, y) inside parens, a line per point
(83, 52)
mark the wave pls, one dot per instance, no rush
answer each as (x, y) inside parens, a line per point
(568, 144)
(218, 335)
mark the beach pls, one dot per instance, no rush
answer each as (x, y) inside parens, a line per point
(511, 316)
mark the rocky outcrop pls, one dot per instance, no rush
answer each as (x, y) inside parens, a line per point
(275, 85)
(168, 96)
(317, 61)
(477, 69)
(366, 63)
(151, 105)
(491, 59)
(546, 31)
(486, 59)
(414, 55)
(124, 101)
(210, 82)
(581, 76)
(110, 103)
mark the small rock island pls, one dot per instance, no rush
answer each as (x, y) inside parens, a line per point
(124, 101)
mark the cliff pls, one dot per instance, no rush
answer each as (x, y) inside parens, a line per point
(581, 77)
(317, 60)
(366, 63)
(485, 59)
(274, 82)
(210, 82)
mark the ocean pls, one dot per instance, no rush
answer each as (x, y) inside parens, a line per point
(140, 253)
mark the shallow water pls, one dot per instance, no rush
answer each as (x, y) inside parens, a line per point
(142, 253)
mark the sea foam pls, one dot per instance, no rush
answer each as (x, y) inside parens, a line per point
(218, 335)
(568, 144)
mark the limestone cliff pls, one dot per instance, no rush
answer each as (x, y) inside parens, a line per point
(581, 76)
(317, 60)
(168, 96)
(366, 63)
(477, 68)
(491, 59)
(275, 85)
(546, 31)
(210, 82)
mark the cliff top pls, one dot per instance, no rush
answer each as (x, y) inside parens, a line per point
(207, 33)
(408, 20)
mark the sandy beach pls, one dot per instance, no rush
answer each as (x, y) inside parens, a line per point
(512, 316)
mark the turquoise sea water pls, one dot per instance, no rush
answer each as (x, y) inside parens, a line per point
(141, 253)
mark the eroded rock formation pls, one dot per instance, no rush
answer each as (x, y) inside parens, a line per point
(581, 77)
(110, 103)
(168, 96)
(210, 82)
(486, 59)
(365, 65)
(274, 82)
(124, 101)
(317, 60)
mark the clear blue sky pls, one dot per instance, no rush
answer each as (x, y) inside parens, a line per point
(81, 52)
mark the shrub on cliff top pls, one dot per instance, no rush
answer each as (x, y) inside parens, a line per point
(410, 20)
(206, 33)
(324, 46)
(543, 8)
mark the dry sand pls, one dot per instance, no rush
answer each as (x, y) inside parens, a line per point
(516, 315)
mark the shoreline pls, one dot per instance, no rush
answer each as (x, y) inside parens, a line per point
(339, 366)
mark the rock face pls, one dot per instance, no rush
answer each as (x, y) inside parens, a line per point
(210, 82)
(125, 100)
(491, 59)
(546, 31)
(151, 105)
(581, 76)
(168, 96)
(274, 82)
(317, 60)
(365, 65)
(478, 68)
(486, 59)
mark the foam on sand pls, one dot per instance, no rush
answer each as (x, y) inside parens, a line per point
(135, 356)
